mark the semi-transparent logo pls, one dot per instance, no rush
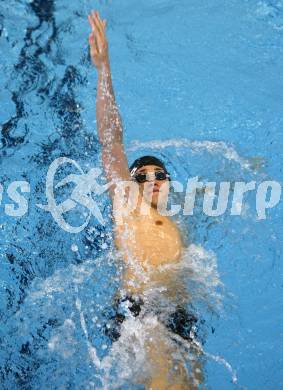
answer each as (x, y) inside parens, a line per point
(128, 195)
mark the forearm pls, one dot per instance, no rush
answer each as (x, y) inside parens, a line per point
(109, 122)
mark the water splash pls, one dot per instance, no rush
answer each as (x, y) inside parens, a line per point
(212, 147)
(67, 326)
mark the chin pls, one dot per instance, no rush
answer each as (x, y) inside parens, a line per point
(161, 202)
(157, 198)
(151, 201)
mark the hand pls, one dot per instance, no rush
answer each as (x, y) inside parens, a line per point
(97, 40)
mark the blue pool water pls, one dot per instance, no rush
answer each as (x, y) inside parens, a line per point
(199, 84)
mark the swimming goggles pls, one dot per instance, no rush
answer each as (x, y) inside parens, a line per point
(143, 177)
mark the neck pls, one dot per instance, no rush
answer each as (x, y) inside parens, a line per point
(144, 208)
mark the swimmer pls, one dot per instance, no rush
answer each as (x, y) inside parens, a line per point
(147, 241)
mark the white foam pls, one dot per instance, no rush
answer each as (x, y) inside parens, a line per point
(195, 279)
(128, 357)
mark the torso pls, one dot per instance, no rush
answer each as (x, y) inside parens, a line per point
(146, 243)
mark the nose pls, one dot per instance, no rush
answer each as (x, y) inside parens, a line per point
(153, 185)
(150, 176)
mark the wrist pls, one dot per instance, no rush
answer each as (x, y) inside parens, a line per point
(104, 66)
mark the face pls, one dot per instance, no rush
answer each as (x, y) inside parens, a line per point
(153, 190)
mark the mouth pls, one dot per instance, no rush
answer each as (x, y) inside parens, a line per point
(153, 191)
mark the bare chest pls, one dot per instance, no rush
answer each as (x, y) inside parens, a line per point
(150, 240)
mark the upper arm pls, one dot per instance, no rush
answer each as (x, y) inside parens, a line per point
(115, 164)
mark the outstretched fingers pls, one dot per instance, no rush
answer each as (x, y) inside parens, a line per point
(98, 24)
(93, 25)
(101, 23)
(97, 38)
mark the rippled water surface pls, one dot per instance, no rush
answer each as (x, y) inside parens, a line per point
(199, 84)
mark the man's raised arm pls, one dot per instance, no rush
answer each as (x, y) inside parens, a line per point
(109, 124)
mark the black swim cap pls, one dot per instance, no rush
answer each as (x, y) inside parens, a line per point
(146, 160)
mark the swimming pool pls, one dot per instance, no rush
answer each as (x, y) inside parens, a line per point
(200, 85)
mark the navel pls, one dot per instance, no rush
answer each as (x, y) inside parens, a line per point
(158, 222)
